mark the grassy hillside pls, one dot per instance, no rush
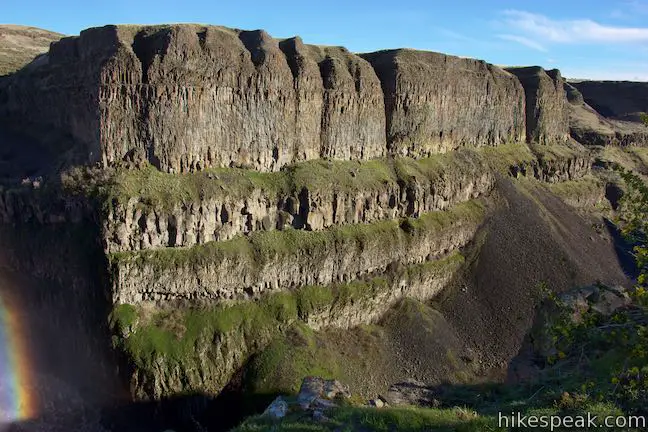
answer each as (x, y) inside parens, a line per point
(20, 44)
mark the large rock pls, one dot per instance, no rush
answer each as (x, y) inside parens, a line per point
(546, 112)
(435, 102)
(186, 96)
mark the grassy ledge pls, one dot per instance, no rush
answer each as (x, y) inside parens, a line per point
(151, 187)
(178, 334)
(261, 247)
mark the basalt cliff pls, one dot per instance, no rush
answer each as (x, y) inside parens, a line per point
(245, 201)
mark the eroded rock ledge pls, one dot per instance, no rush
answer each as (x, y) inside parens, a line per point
(310, 196)
(247, 267)
(150, 210)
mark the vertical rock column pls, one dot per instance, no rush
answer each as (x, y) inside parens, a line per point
(547, 116)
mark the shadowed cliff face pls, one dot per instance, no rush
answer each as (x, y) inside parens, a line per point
(50, 278)
(621, 100)
(589, 127)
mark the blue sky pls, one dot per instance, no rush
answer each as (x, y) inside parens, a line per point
(596, 39)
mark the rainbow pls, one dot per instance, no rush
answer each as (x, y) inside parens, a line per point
(17, 401)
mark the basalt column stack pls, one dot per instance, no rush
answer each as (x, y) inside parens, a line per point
(186, 97)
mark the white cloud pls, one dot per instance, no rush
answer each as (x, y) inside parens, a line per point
(535, 26)
(604, 74)
(523, 40)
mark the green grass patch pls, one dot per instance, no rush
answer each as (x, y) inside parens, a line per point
(280, 367)
(632, 158)
(407, 419)
(553, 152)
(505, 155)
(572, 189)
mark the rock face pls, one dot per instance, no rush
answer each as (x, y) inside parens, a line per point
(435, 102)
(555, 164)
(245, 268)
(136, 224)
(546, 111)
(280, 214)
(186, 97)
(617, 99)
(211, 368)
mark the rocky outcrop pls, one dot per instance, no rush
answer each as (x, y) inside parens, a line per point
(244, 268)
(316, 395)
(621, 100)
(336, 194)
(554, 163)
(435, 102)
(546, 113)
(589, 127)
(422, 281)
(186, 97)
(586, 193)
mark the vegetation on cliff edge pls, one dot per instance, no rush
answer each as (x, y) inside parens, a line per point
(151, 187)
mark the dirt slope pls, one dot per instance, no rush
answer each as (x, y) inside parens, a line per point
(20, 44)
(534, 238)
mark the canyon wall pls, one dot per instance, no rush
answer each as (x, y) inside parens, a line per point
(226, 348)
(589, 127)
(310, 196)
(186, 97)
(621, 100)
(189, 97)
(233, 168)
(244, 268)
